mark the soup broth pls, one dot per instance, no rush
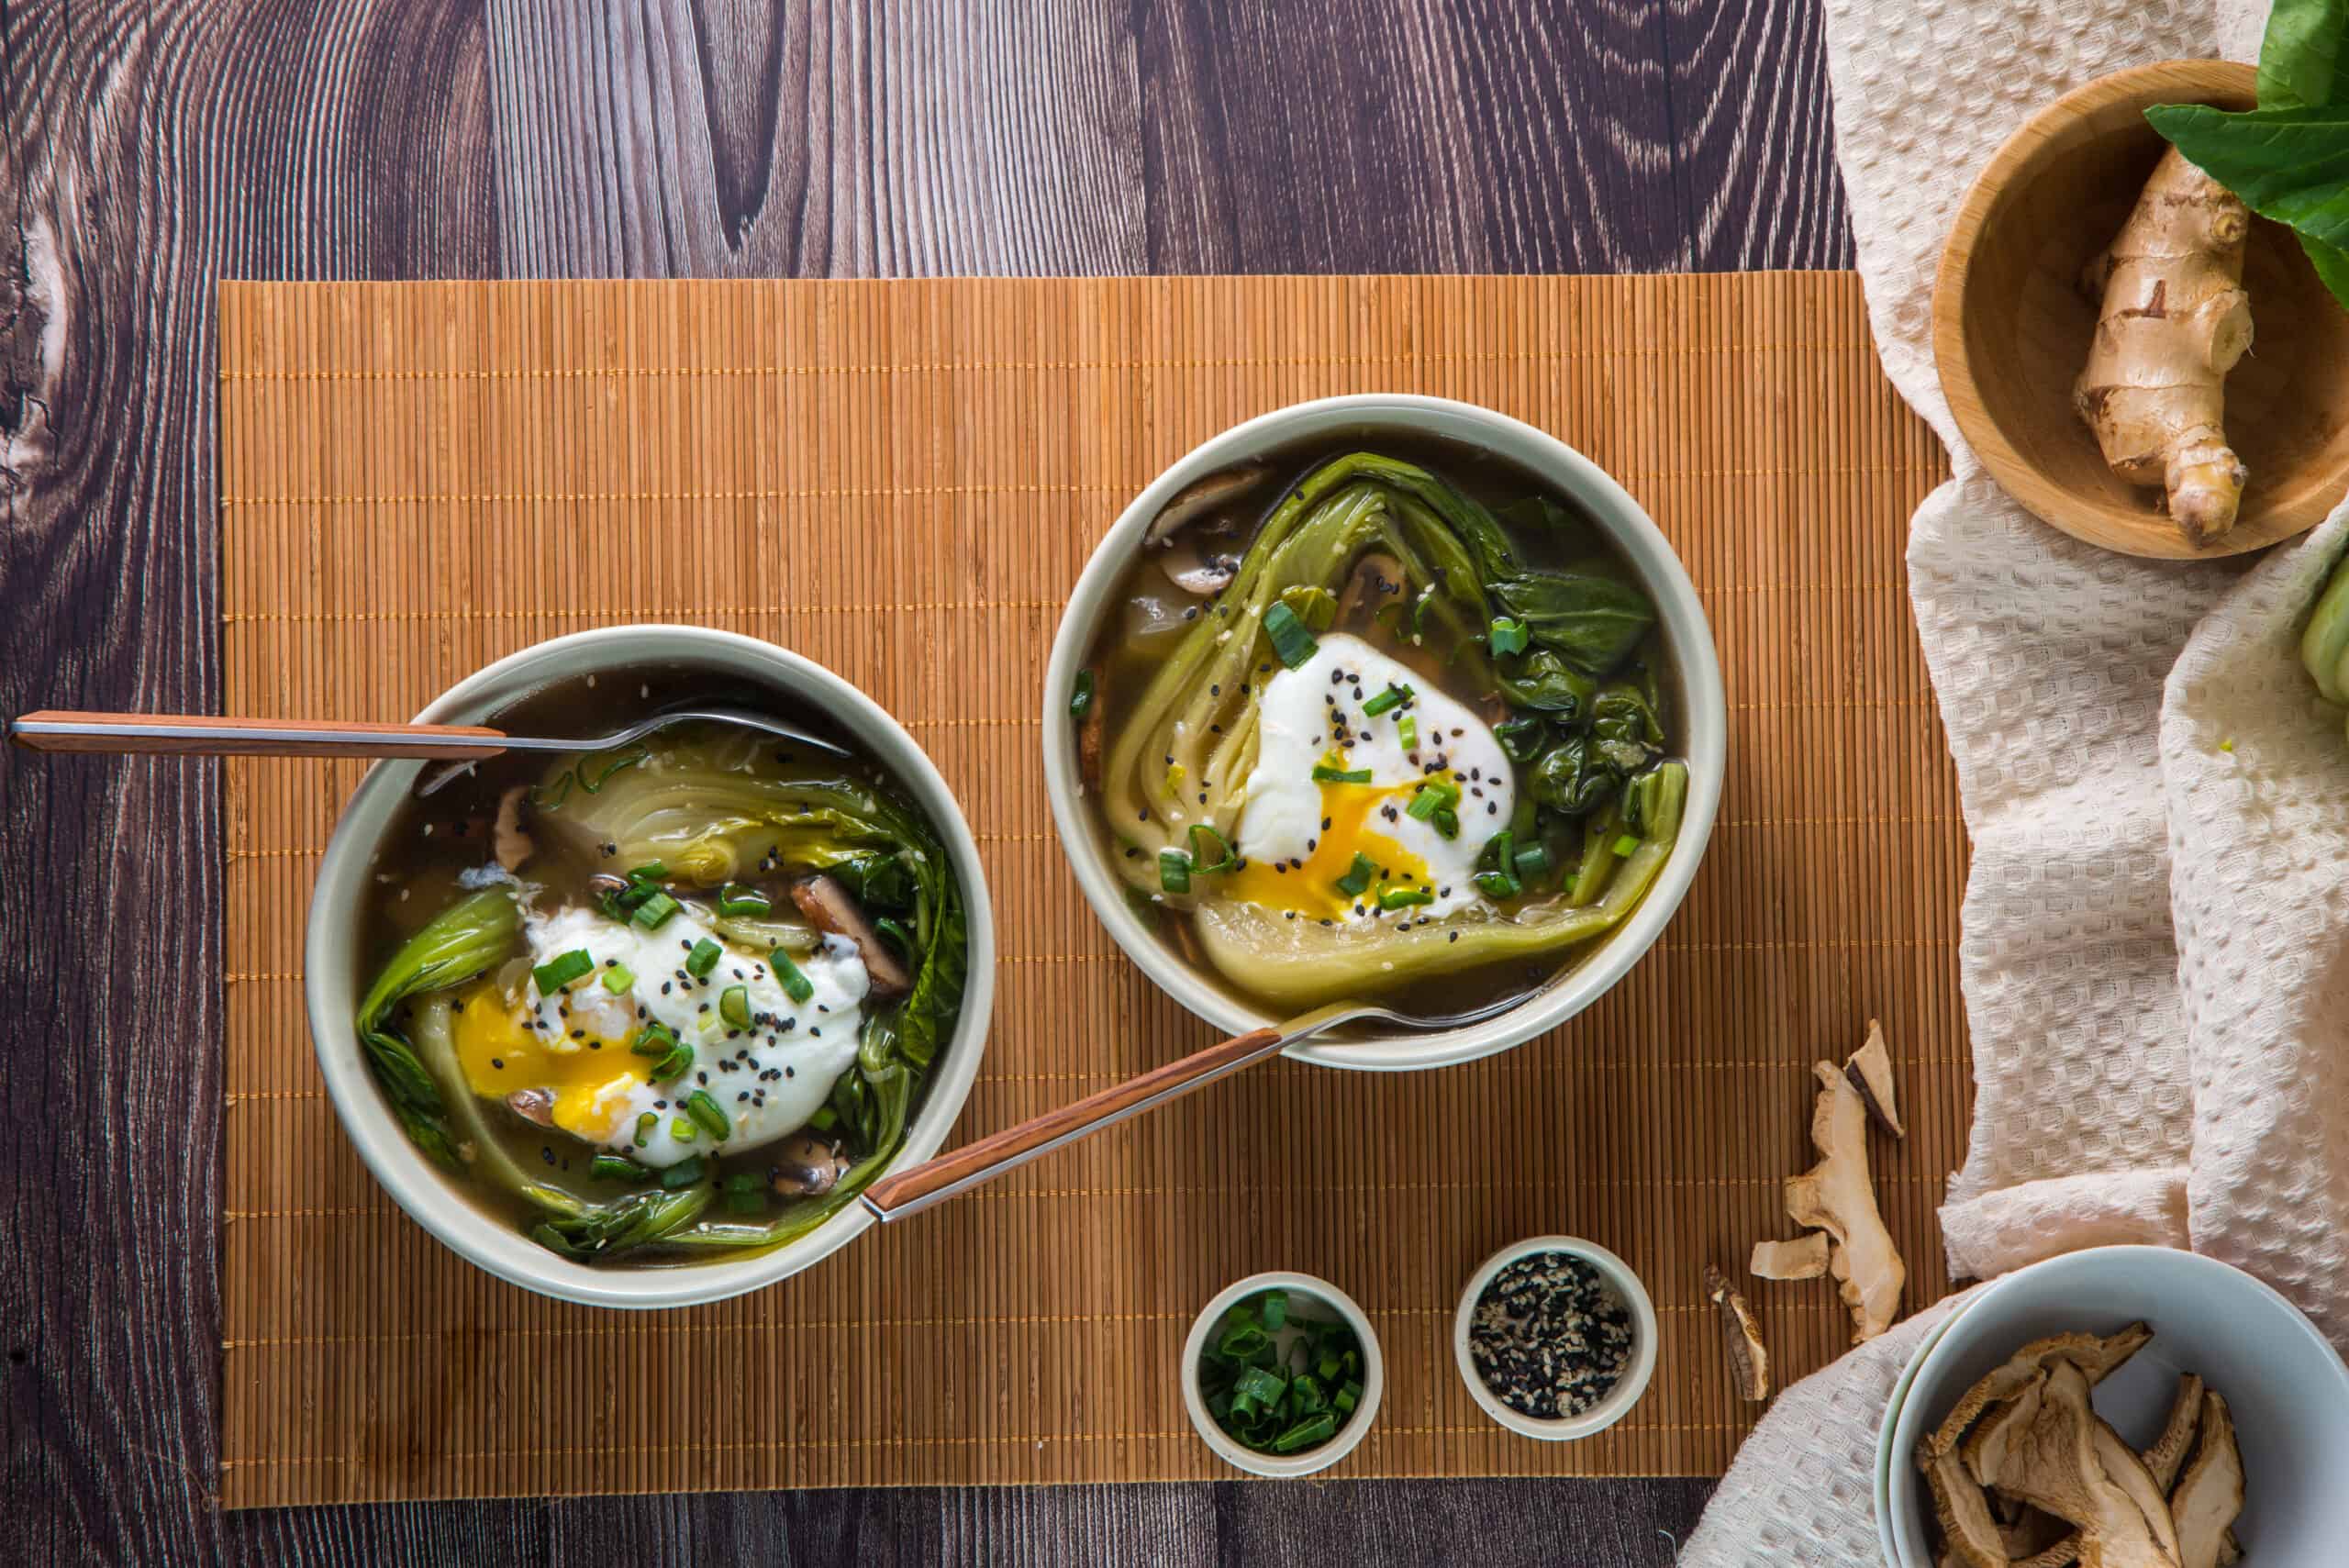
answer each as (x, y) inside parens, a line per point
(669, 1003)
(1381, 716)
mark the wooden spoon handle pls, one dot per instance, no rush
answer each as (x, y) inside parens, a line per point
(909, 1191)
(204, 736)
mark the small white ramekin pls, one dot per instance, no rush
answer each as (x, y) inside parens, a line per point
(1689, 639)
(1628, 1388)
(1334, 1304)
(332, 963)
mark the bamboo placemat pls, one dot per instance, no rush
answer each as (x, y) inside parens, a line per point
(902, 480)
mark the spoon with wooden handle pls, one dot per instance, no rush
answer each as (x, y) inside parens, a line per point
(901, 1193)
(201, 735)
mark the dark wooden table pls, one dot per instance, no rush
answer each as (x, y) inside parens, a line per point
(150, 149)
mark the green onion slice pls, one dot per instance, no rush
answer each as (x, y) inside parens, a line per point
(749, 1202)
(1391, 898)
(1080, 700)
(682, 1130)
(674, 1065)
(1532, 861)
(561, 970)
(613, 1168)
(734, 1005)
(1406, 729)
(684, 1173)
(796, 984)
(708, 1114)
(1204, 864)
(645, 1127)
(654, 911)
(734, 899)
(1324, 773)
(1509, 636)
(704, 958)
(1433, 797)
(654, 1040)
(1446, 822)
(824, 1119)
(618, 978)
(1625, 845)
(1174, 871)
(1291, 641)
(1357, 880)
(1391, 698)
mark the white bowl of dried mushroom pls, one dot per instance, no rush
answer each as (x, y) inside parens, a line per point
(2125, 1407)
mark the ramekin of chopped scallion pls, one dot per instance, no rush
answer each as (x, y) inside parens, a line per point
(1282, 1375)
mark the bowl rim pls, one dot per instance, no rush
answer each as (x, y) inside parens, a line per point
(2273, 520)
(1628, 1390)
(402, 1170)
(1899, 1433)
(1680, 609)
(1881, 1481)
(1348, 1437)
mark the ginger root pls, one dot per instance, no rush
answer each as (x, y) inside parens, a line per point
(2174, 321)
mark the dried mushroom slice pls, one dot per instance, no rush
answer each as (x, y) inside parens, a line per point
(2037, 1538)
(2057, 1467)
(1749, 1360)
(2210, 1495)
(1970, 1533)
(2126, 1470)
(2096, 1357)
(1803, 1258)
(1835, 1196)
(1870, 1070)
(1986, 1447)
(2169, 1451)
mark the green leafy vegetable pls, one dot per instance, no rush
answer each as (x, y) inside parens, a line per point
(457, 944)
(1291, 641)
(1592, 623)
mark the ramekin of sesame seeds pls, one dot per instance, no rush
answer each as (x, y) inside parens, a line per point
(1555, 1336)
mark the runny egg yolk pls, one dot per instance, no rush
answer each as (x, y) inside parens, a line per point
(1354, 813)
(592, 1078)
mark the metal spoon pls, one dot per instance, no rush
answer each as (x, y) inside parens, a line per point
(204, 736)
(910, 1191)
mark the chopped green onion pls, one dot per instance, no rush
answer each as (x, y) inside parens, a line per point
(1324, 773)
(1243, 1342)
(1305, 1434)
(1392, 697)
(796, 985)
(1291, 641)
(746, 1203)
(1406, 729)
(1080, 701)
(1446, 822)
(1357, 880)
(682, 1130)
(734, 899)
(1348, 1397)
(645, 1125)
(1174, 871)
(651, 873)
(744, 1182)
(1496, 886)
(734, 1005)
(1392, 898)
(1497, 859)
(1509, 636)
(1202, 864)
(561, 971)
(685, 1173)
(674, 1065)
(704, 958)
(654, 1040)
(1433, 797)
(613, 1168)
(824, 1119)
(618, 978)
(708, 1114)
(1260, 1385)
(1272, 1306)
(654, 911)
(1625, 845)
(1532, 861)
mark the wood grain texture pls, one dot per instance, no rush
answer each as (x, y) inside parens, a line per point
(150, 149)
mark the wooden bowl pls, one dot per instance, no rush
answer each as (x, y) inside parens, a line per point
(2011, 329)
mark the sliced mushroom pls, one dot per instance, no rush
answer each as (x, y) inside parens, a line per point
(2062, 1554)
(1749, 1359)
(532, 1105)
(1870, 1070)
(828, 907)
(806, 1166)
(1969, 1531)
(1987, 1448)
(513, 846)
(1199, 564)
(2169, 1451)
(1802, 1258)
(1835, 1196)
(2210, 1495)
(2038, 1538)
(1201, 497)
(2058, 1467)
(2126, 1470)
(2096, 1357)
